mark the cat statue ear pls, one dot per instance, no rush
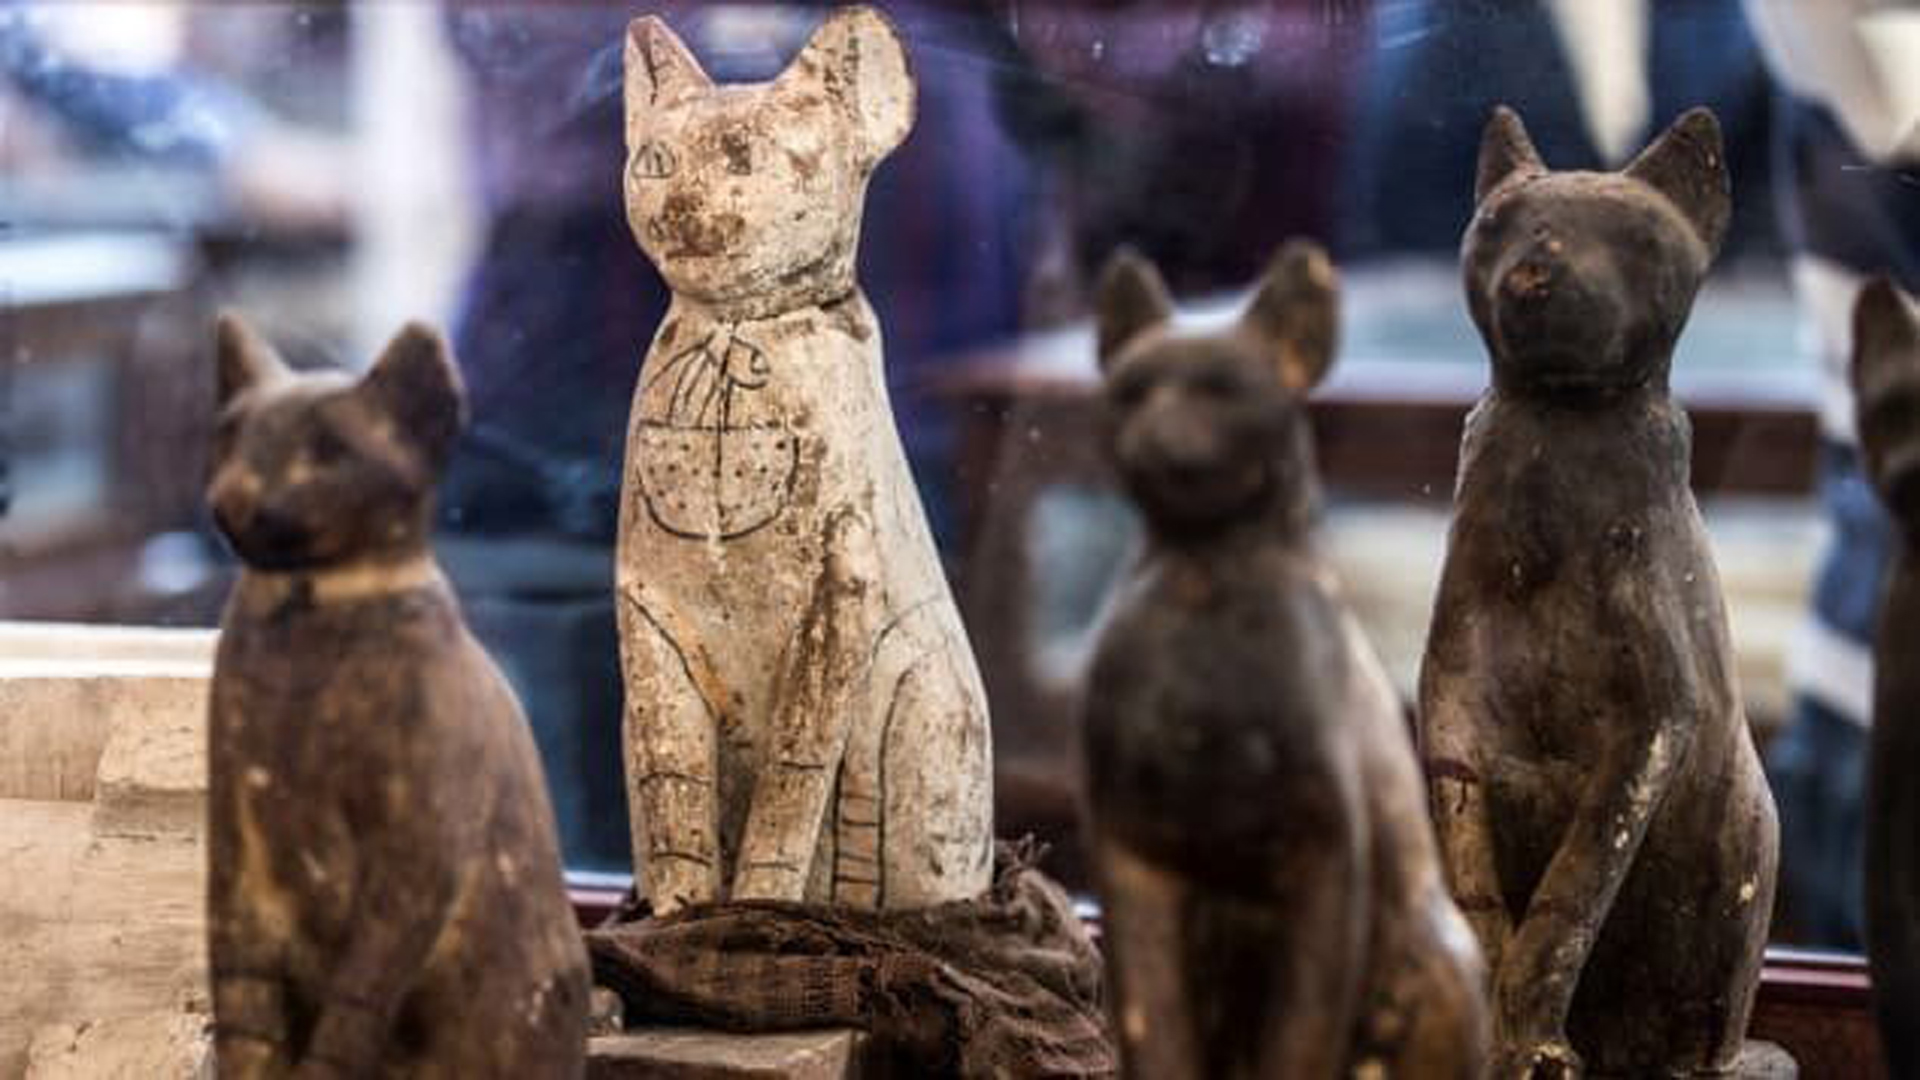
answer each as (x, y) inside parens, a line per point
(242, 358)
(1688, 165)
(660, 71)
(416, 383)
(1506, 153)
(1296, 314)
(857, 58)
(1129, 300)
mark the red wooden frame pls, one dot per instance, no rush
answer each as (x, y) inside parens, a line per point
(1820, 1007)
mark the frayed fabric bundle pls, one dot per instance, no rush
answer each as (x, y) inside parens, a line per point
(1004, 985)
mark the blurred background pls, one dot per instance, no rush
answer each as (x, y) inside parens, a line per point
(332, 169)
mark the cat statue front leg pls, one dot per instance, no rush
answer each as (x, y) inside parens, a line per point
(672, 739)
(1540, 965)
(1456, 759)
(397, 923)
(819, 689)
(250, 1036)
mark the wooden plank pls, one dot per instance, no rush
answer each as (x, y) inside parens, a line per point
(691, 1054)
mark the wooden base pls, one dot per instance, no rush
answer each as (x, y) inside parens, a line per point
(694, 1054)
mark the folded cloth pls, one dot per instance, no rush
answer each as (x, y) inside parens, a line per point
(1004, 985)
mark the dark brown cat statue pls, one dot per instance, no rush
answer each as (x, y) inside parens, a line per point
(1886, 382)
(1273, 897)
(1601, 809)
(385, 896)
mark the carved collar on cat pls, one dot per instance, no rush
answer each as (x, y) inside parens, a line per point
(267, 590)
(834, 298)
(742, 348)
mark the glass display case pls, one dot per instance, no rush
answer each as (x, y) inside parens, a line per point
(332, 169)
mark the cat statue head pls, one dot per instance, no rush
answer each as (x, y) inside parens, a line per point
(316, 470)
(1210, 430)
(749, 197)
(1580, 282)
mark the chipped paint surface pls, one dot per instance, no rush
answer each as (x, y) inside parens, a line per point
(804, 715)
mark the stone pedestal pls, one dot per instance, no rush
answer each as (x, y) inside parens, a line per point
(161, 1045)
(102, 792)
(694, 1054)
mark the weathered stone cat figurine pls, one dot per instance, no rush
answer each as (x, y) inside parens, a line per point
(1601, 809)
(1886, 380)
(804, 719)
(385, 895)
(1274, 900)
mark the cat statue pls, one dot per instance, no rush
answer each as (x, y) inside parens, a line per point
(385, 895)
(1600, 805)
(1886, 383)
(1274, 902)
(804, 717)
